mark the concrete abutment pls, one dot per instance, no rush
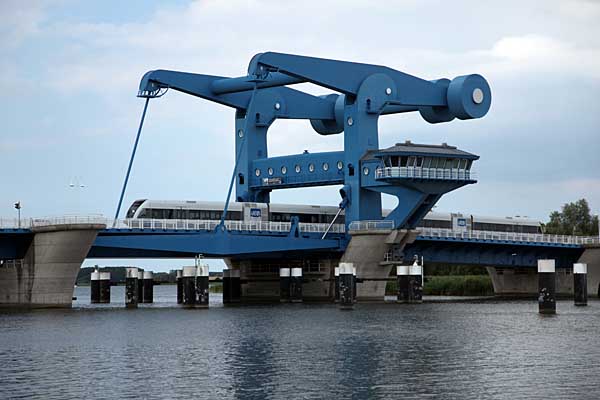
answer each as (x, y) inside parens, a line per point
(46, 276)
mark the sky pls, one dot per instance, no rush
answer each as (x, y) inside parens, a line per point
(70, 70)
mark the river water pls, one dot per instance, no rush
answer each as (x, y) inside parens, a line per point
(450, 350)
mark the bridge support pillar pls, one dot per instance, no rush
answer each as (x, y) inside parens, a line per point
(284, 285)
(235, 286)
(580, 284)
(188, 279)
(226, 286)
(148, 284)
(346, 286)
(140, 283)
(95, 286)
(179, 280)
(415, 283)
(402, 283)
(336, 282)
(104, 287)
(366, 251)
(591, 257)
(46, 276)
(202, 287)
(131, 288)
(547, 286)
(296, 281)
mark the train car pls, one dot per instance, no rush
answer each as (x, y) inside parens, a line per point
(257, 212)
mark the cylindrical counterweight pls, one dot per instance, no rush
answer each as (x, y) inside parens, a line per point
(547, 286)
(296, 285)
(580, 284)
(104, 287)
(284, 285)
(131, 287)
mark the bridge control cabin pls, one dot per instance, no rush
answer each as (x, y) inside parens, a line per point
(421, 161)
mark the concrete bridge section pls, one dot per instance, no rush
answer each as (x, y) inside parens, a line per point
(48, 260)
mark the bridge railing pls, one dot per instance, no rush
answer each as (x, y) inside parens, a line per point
(381, 225)
(426, 173)
(508, 236)
(28, 223)
(209, 225)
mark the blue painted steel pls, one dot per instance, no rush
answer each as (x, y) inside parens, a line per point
(365, 92)
(137, 139)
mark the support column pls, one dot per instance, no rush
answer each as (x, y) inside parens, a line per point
(403, 283)
(105, 287)
(354, 286)
(296, 285)
(148, 284)
(284, 285)
(131, 287)
(346, 286)
(415, 284)
(179, 280)
(226, 286)
(140, 285)
(236, 286)
(188, 279)
(547, 286)
(580, 284)
(336, 273)
(95, 287)
(202, 287)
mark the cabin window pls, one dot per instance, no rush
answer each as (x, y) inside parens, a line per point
(403, 161)
(419, 161)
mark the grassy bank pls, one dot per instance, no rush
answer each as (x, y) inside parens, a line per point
(461, 285)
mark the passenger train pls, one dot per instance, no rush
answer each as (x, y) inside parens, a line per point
(255, 212)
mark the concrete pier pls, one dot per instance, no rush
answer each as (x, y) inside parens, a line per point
(46, 276)
(547, 286)
(131, 288)
(580, 284)
(105, 287)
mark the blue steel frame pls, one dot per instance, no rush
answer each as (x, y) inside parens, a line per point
(365, 92)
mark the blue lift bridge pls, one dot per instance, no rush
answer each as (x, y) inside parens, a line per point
(360, 94)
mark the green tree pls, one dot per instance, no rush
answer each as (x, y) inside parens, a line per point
(574, 219)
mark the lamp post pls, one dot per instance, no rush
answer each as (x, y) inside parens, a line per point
(18, 207)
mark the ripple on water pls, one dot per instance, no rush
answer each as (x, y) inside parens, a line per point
(499, 350)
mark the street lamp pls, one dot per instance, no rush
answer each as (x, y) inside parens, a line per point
(18, 207)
